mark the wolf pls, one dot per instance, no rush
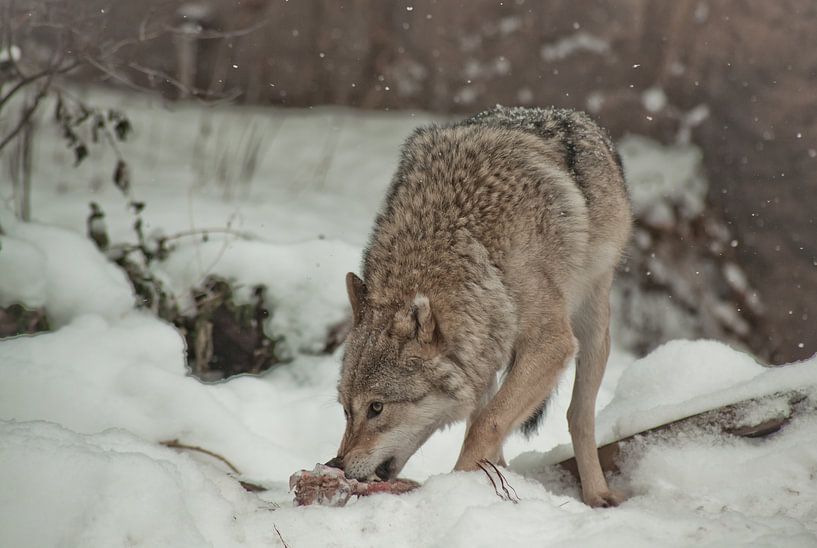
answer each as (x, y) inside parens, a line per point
(493, 253)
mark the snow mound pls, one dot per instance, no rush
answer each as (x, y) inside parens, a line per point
(109, 489)
(113, 489)
(47, 266)
(93, 375)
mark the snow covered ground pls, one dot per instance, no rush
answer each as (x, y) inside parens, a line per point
(82, 408)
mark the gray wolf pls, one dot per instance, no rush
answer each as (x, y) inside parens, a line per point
(494, 252)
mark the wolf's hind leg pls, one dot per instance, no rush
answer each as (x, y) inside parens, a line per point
(591, 325)
(540, 360)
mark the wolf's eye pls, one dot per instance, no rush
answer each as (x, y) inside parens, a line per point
(374, 409)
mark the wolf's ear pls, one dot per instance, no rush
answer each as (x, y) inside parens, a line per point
(357, 294)
(418, 321)
(424, 318)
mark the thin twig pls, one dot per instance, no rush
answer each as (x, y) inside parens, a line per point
(157, 74)
(491, 479)
(174, 444)
(130, 248)
(280, 537)
(207, 232)
(116, 76)
(55, 62)
(24, 119)
(221, 34)
(114, 48)
(143, 25)
(483, 464)
(34, 77)
(252, 487)
(504, 482)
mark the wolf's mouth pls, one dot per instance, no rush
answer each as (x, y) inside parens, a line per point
(385, 470)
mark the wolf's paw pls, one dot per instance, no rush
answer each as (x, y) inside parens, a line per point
(466, 465)
(604, 499)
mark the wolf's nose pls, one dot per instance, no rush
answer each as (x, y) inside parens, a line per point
(337, 462)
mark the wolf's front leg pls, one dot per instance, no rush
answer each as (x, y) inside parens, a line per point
(540, 360)
(490, 392)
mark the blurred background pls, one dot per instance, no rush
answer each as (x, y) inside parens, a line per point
(171, 115)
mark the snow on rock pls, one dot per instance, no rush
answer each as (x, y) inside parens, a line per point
(684, 378)
(676, 380)
(47, 266)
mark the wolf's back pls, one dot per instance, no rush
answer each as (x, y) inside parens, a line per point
(501, 175)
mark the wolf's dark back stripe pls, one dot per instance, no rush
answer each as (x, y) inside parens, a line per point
(570, 145)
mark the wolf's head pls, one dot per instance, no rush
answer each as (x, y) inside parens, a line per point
(397, 386)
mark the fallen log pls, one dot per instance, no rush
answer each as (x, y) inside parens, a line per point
(740, 419)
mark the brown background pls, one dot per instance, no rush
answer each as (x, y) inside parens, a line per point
(752, 63)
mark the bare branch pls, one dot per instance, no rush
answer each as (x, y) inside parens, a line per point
(505, 484)
(174, 444)
(279, 536)
(484, 464)
(222, 34)
(33, 78)
(207, 232)
(115, 75)
(143, 25)
(29, 112)
(153, 73)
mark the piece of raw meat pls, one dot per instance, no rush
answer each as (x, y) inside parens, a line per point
(329, 486)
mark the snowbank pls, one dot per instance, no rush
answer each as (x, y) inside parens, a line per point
(110, 489)
(126, 372)
(83, 408)
(46, 266)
